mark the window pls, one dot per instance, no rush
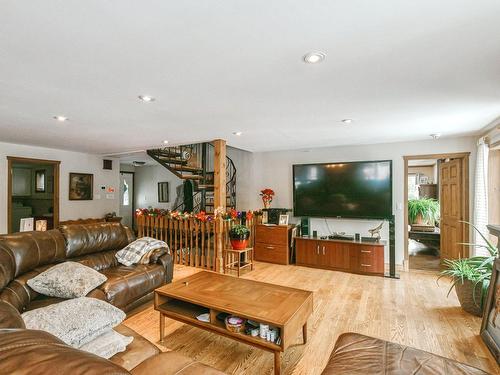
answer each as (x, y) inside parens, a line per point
(126, 198)
(412, 186)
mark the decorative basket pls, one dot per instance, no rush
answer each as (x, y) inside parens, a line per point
(235, 324)
(469, 296)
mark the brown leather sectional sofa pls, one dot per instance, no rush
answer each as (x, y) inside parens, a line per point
(25, 255)
(356, 354)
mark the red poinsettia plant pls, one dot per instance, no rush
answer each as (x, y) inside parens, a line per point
(267, 195)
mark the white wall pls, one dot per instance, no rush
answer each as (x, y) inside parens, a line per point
(244, 164)
(274, 170)
(70, 162)
(146, 186)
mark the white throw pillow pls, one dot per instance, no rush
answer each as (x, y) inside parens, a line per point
(67, 280)
(107, 344)
(75, 321)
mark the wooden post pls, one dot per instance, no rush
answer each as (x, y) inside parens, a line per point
(219, 196)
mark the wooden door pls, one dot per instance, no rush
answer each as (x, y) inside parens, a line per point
(308, 252)
(452, 209)
(335, 255)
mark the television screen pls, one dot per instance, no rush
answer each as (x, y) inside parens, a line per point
(361, 190)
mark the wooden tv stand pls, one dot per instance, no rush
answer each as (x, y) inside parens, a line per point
(341, 255)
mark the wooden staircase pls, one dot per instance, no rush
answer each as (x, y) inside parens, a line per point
(194, 164)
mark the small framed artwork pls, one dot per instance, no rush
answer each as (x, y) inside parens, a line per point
(490, 328)
(81, 186)
(423, 180)
(265, 217)
(163, 196)
(283, 220)
(40, 181)
(41, 225)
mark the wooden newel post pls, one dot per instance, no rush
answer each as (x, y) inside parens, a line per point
(219, 197)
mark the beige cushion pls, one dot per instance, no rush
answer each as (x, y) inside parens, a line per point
(108, 344)
(67, 280)
(75, 321)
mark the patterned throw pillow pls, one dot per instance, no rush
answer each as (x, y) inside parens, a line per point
(75, 321)
(107, 344)
(67, 280)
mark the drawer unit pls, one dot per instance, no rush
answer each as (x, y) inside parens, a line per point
(272, 243)
(349, 256)
(271, 253)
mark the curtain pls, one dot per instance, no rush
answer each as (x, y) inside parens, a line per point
(481, 195)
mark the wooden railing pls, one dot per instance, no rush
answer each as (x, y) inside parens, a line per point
(193, 242)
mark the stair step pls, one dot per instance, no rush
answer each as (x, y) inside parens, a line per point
(168, 154)
(192, 177)
(183, 168)
(205, 186)
(172, 161)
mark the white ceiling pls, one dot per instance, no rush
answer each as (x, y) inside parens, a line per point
(401, 68)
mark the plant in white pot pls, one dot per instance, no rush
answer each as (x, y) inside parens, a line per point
(471, 276)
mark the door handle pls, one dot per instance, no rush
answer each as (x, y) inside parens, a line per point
(365, 265)
(366, 251)
(317, 249)
(323, 250)
(270, 247)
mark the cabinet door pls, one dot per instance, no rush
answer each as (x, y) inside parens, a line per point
(21, 182)
(308, 252)
(335, 255)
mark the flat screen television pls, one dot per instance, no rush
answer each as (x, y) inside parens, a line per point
(358, 190)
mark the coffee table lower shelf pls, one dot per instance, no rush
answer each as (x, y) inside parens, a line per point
(186, 312)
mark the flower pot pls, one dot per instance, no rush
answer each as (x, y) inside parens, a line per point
(239, 243)
(469, 296)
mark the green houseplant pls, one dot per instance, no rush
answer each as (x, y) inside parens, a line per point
(423, 211)
(239, 234)
(471, 276)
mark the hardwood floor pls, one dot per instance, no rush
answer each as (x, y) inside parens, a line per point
(413, 311)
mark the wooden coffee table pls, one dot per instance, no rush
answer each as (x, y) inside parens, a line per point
(206, 292)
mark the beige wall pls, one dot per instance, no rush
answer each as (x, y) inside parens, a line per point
(274, 170)
(70, 162)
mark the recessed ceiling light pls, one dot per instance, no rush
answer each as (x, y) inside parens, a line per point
(165, 142)
(146, 98)
(61, 118)
(314, 57)
(435, 135)
(238, 133)
(138, 163)
(347, 120)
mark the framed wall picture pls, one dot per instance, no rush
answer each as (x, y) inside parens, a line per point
(40, 181)
(81, 186)
(265, 217)
(490, 328)
(283, 220)
(163, 196)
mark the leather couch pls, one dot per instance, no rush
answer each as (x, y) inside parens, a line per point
(25, 255)
(356, 354)
(30, 352)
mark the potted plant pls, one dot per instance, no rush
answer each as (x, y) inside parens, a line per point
(471, 276)
(423, 211)
(238, 234)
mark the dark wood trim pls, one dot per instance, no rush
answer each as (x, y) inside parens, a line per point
(464, 191)
(56, 165)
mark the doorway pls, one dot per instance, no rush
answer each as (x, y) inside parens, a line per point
(127, 200)
(33, 194)
(436, 201)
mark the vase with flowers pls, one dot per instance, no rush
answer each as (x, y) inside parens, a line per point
(267, 197)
